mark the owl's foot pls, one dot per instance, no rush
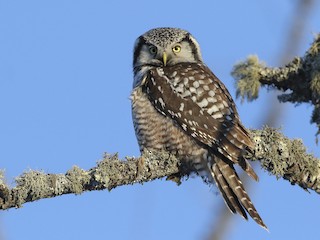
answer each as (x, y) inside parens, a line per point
(140, 166)
(175, 178)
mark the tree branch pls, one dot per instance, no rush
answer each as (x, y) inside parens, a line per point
(286, 158)
(108, 174)
(301, 77)
(280, 156)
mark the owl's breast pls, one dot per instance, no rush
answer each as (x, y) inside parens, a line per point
(155, 131)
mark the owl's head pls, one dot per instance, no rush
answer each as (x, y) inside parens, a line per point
(165, 47)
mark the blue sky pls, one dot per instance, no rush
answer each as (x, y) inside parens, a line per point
(65, 81)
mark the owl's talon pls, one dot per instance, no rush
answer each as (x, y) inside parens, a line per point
(175, 178)
(140, 166)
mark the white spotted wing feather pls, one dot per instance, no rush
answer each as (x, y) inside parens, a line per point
(199, 103)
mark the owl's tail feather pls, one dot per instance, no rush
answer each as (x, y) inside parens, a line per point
(228, 195)
(233, 191)
(245, 165)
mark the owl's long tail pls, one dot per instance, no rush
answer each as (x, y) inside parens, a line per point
(233, 192)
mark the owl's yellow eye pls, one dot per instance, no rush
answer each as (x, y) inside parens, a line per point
(153, 50)
(176, 49)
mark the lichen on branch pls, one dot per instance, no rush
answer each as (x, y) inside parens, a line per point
(277, 154)
(299, 80)
(287, 159)
(109, 173)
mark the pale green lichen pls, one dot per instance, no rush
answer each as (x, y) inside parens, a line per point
(286, 158)
(31, 185)
(247, 75)
(77, 178)
(2, 182)
(315, 83)
(315, 46)
(299, 80)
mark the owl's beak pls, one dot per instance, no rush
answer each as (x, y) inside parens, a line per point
(164, 58)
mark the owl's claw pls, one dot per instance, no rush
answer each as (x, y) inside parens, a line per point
(175, 178)
(140, 166)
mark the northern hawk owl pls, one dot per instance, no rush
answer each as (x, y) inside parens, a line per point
(180, 106)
